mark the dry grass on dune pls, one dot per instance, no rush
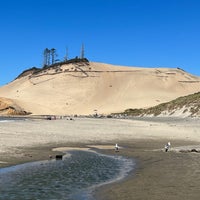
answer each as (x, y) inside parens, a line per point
(188, 105)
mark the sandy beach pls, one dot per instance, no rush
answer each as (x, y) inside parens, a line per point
(158, 175)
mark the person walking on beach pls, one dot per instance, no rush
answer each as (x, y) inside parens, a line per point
(167, 146)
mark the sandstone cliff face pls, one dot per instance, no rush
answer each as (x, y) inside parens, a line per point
(9, 107)
(88, 87)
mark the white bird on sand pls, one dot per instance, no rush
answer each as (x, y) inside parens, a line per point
(167, 146)
(116, 147)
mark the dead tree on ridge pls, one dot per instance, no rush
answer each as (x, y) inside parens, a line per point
(46, 57)
(82, 52)
(66, 55)
(53, 55)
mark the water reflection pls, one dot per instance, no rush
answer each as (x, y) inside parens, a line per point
(71, 178)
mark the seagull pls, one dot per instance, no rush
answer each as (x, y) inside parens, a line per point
(167, 146)
(116, 147)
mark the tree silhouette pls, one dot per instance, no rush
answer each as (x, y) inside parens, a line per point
(49, 57)
(46, 57)
(82, 51)
(53, 55)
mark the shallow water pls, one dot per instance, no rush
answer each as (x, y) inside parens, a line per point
(73, 178)
(9, 119)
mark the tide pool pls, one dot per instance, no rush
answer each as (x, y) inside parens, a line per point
(75, 177)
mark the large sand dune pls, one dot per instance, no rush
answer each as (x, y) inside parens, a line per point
(81, 88)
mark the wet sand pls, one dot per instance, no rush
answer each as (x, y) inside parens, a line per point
(158, 175)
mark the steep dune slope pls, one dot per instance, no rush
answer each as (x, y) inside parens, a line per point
(81, 88)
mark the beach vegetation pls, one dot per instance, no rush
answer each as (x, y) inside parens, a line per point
(190, 103)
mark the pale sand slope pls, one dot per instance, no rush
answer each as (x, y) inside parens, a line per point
(34, 133)
(102, 87)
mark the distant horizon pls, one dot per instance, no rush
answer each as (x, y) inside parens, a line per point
(143, 33)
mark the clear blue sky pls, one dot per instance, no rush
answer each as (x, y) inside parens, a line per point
(146, 33)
